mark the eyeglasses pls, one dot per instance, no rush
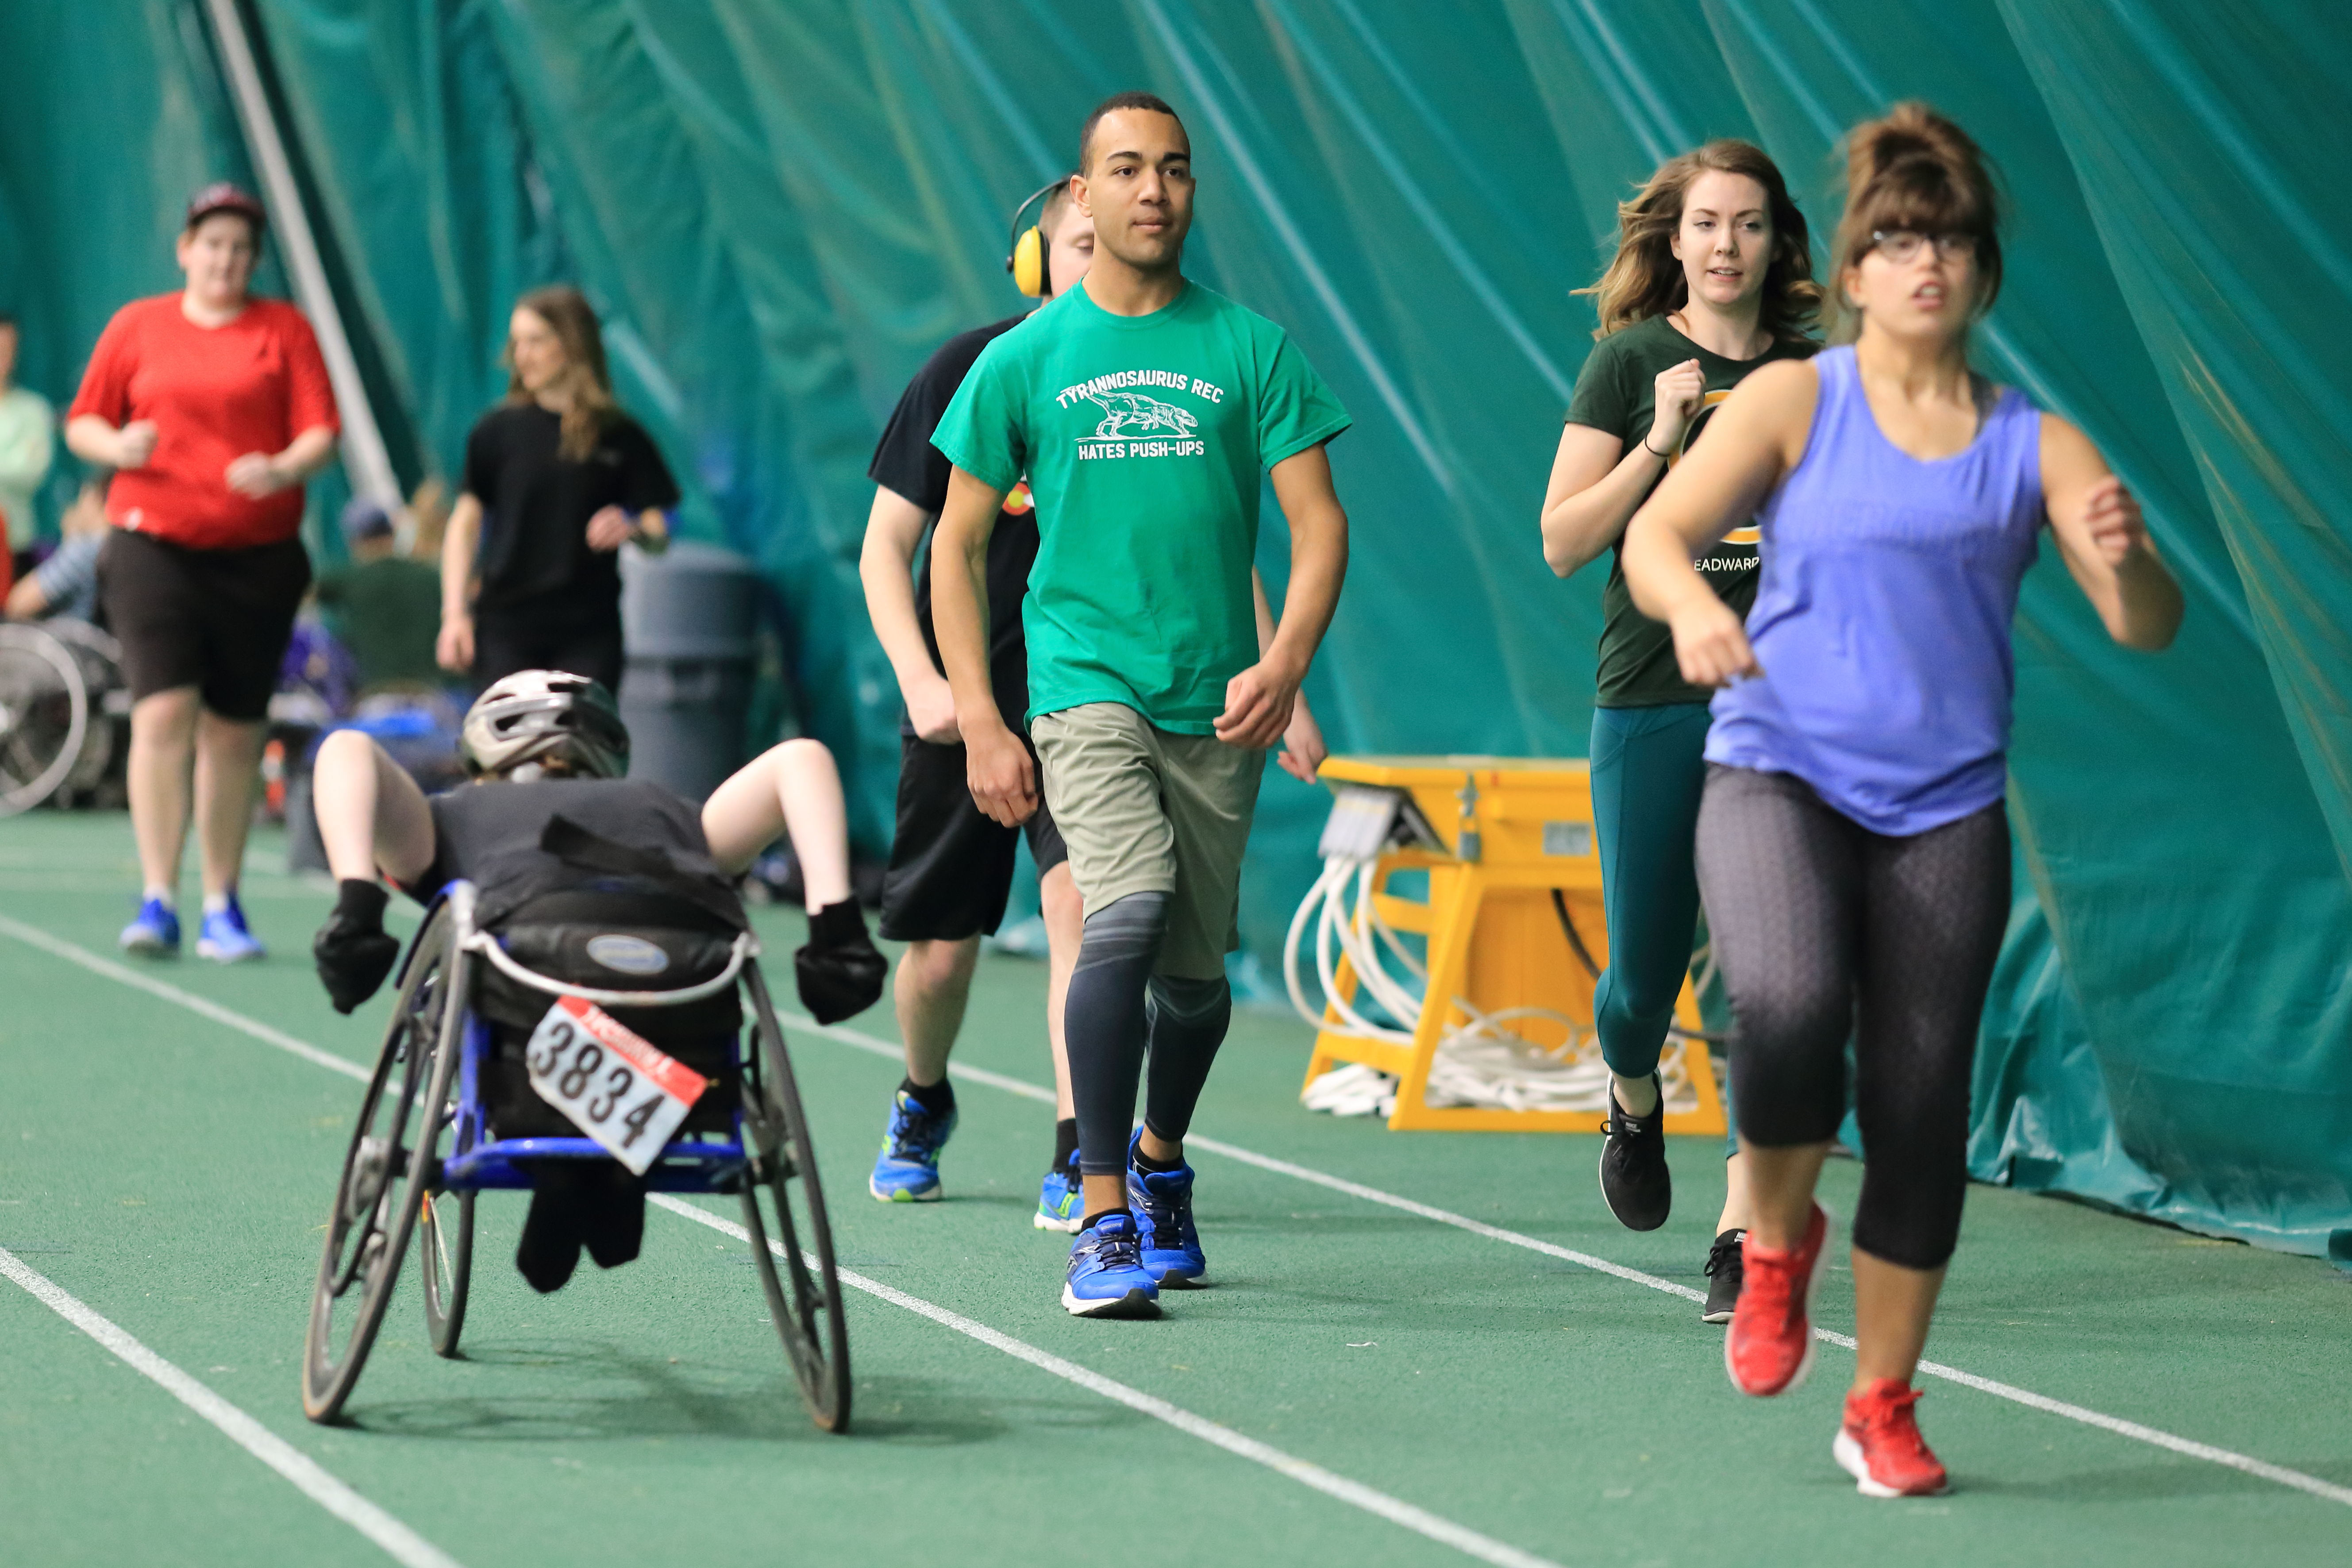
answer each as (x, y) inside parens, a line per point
(1902, 247)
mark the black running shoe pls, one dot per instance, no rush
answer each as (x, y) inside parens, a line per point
(1723, 1276)
(1633, 1175)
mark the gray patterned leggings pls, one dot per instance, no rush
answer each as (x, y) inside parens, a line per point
(1826, 930)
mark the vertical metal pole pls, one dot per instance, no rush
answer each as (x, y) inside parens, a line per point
(365, 461)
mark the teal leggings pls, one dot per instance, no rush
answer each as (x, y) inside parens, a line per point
(1647, 774)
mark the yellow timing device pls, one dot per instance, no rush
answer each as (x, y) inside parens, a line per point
(1027, 260)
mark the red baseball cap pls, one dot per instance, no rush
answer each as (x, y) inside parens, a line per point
(221, 196)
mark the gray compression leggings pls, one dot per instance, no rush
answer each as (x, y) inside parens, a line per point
(1117, 1009)
(1826, 929)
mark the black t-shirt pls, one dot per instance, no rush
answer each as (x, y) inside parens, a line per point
(908, 464)
(1617, 392)
(489, 833)
(535, 561)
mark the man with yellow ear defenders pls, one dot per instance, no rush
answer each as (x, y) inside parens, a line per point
(1027, 260)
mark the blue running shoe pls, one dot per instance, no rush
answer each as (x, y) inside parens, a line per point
(908, 1168)
(1062, 1201)
(224, 938)
(1107, 1278)
(156, 932)
(1162, 1202)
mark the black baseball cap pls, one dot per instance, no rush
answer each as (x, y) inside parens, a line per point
(222, 196)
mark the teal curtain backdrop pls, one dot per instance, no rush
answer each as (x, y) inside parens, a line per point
(781, 206)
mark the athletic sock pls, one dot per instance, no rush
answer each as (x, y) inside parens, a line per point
(1103, 1020)
(217, 903)
(1065, 1145)
(167, 897)
(1186, 1024)
(937, 1098)
(1150, 1166)
(1106, 1214)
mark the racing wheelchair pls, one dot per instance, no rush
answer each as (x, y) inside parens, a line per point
(494, 1027)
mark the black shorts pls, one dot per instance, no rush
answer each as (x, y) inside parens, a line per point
(214, 619)
(505, 642)
(950, 867)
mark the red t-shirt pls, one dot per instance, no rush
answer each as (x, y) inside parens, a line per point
(214, 394)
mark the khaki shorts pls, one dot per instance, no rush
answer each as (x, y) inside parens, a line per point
(1145, 811)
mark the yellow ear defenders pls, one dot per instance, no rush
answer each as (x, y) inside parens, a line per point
(1027, 260)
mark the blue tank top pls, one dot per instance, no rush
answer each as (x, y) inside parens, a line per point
(1882, 611)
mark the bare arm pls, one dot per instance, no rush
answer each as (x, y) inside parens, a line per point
(459, 541)
(372, 815)
(894, 531)
(996, 764)
(612, 527)
(1303, 750)
(1597, 480)
(26, 600)
(96, 441)
(2105, 543)
(259, 474)
(1259, 700)
(1757, 436)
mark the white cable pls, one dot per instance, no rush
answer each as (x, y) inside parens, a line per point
(1480, 1062)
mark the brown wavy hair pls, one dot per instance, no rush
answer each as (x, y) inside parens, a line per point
(1915, 171)
(1645, 281)
(585, 381)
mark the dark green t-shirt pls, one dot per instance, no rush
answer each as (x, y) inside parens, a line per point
(1143, 438)
(1617, 392)
(388, 612)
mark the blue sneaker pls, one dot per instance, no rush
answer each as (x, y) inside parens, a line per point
(156, 932)
(1162, 1202)
(224, 939)
(908, 1168)
(1062, 1201)
(1107, 1278)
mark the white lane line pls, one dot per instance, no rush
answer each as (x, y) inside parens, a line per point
(1421, 1521)
(2186, 1447)
(2011, 1391)
(401, 1544)
(35, 937)
(251, 1433)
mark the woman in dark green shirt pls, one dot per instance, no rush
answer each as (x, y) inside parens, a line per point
(1713, 276)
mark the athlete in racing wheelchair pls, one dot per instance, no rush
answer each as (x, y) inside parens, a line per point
(574, 910)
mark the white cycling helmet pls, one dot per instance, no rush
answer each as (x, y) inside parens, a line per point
(543, 716)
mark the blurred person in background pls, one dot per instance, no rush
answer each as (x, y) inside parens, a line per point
(29, 431)
(386, 607)
(557, 479)
(213, 407)
(65, 584)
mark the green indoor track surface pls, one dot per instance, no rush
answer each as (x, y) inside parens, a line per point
(1414, 1390)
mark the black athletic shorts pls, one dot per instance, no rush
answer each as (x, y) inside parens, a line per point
(214, 619)
(950, 867)
(505, 643)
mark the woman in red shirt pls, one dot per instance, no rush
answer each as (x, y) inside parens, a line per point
(212, 407)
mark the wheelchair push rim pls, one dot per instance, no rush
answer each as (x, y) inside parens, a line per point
(389, 1168)
(804, 1295)
(45, 715)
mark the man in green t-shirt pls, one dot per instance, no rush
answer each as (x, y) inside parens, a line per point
(386, 608)
(1143, 409)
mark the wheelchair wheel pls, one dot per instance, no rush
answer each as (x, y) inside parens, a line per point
(804, 1296)
(45, 715)
(389, 1167)
(445, 1255)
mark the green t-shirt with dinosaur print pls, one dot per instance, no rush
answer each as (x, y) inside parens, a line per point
(1144, 439)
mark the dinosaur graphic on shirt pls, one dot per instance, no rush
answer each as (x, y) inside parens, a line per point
(1125, 411)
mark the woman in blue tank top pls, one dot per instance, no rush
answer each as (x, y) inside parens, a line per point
(1853, 843)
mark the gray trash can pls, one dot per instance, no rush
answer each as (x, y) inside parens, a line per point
(686, 621)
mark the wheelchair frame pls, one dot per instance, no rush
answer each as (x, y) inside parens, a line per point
(403, 1169)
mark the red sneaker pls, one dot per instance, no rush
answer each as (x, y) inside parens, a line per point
(1880, 1445)
(1771, 1346)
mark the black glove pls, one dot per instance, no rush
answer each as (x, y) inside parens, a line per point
(353, 950)
(840, 972)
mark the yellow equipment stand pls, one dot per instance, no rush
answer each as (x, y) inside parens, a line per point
(1494, 936)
